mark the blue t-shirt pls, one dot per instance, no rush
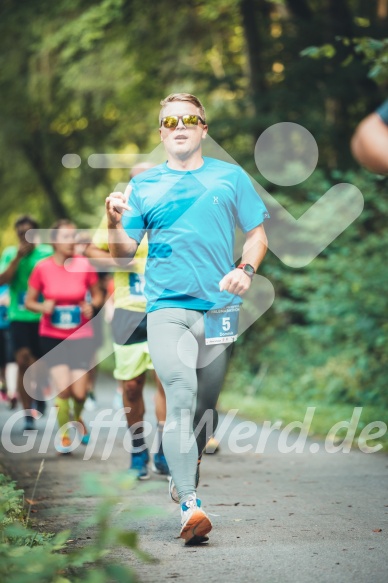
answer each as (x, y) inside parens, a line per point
(191, 217)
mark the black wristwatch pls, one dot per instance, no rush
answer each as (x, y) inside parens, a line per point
(247, 268)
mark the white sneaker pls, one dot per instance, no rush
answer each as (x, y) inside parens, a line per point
(195, 522)
(90, 404)
(117, 403)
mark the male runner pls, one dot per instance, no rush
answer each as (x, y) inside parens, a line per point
(16, 265)
(190, 207)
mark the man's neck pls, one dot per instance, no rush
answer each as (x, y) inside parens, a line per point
(191, 163)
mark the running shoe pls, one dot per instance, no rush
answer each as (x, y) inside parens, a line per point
(195, 522)
(90, 403)
(29, 423)
(13, 403)
(160, 465)
(172, 488)
(85, 435)
(212, 446)
(64, 447)
(139, 465)
(117, 403)
(39, 406)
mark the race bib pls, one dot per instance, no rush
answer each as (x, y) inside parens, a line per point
(136, 285)
(21, 300)
(221, 326)
(66, 317)
(3, 317)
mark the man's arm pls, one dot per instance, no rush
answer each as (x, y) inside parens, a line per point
(255, 247)
(103, 258)
(9, 273)
(369, 144)
(122, 247)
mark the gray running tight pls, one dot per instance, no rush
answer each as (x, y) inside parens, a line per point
(192, 375)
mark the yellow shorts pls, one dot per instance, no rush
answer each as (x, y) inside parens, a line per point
(131, 361)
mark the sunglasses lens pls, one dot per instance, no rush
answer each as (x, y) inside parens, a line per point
(171, 121)
(190, 120)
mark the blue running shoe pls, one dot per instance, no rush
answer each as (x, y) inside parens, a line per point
(85, 435)
(29, 423)
(39, 405)
(160, 465)
(139, 465)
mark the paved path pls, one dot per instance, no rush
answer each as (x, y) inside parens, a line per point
(277, 517)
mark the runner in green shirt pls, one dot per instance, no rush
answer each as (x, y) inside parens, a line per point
(16, 264)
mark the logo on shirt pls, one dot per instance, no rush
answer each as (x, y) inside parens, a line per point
(215, 199)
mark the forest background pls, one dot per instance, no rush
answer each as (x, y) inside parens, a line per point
(85, 77)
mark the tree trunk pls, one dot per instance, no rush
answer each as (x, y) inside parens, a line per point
(299, 9)
(255, 20)
(33, 154)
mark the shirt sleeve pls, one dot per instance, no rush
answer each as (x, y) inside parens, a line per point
(6, 257)
(382, 111)
(133, 221)
(250, 209)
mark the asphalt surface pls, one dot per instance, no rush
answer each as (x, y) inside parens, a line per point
(289, 517)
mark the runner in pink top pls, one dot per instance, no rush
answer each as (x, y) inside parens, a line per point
(64, 281)
(67, 289)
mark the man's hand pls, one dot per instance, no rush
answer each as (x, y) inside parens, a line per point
(25, 248)
(235, 282)
(116, 204)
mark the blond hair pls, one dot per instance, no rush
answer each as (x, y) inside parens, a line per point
(182, 97)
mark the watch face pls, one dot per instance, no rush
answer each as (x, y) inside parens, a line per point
(249, 269)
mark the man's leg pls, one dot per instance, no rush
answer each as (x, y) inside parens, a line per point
(212, 365)
(169, 329)
(160, 401)
(26, 344)
(131, 362)
(210, 381)
(160, 462)
(24, 359)
(174, 353)
(134, 403)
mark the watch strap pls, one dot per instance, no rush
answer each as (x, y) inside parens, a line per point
(247, 268)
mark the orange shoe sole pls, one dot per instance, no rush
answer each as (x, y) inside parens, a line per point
(198, 525)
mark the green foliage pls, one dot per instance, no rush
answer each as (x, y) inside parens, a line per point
(260, 409)
(27, 556)
(87, 77)
(326, 50)
(325, 340)
(11, 502)
(374, 54)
